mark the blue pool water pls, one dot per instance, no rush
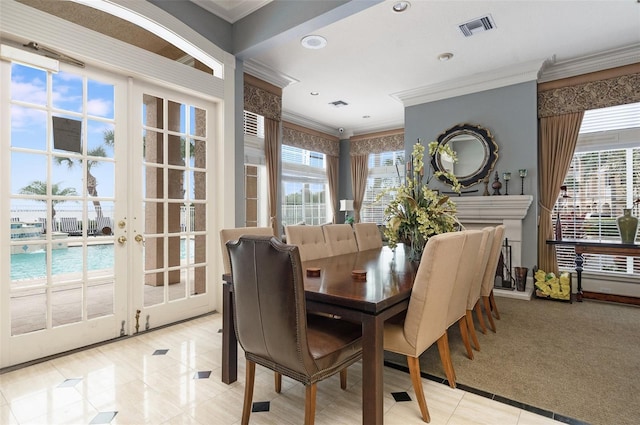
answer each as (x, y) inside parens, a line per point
(67, 260)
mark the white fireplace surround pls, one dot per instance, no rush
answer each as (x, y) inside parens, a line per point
(476, 212)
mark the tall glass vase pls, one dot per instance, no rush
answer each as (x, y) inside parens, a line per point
(416, 245)
(627, 226)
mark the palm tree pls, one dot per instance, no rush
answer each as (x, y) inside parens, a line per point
(92, 184)
(38, 187)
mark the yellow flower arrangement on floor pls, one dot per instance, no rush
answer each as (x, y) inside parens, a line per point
(417, 212)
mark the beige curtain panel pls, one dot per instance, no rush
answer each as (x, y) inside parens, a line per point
(272, 157)
(332, 178)
(359, 174)
(558, 139)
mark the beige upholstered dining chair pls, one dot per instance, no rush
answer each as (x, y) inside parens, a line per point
(486, 292)
(457, 311)
(425, 321)
(272, 324)
(340, 238)
(367, 236)
(309, 240)
(227, 235)
(473, 301)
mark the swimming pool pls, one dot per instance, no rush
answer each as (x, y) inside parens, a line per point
(69, 260)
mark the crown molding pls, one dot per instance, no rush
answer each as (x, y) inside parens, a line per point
(614, 58)
(307, 123)
(267, 74)
(527, 71)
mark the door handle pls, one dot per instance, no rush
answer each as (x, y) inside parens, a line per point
(122, 240)
(139, 238)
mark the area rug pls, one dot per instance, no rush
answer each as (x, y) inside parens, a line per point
(579, 360)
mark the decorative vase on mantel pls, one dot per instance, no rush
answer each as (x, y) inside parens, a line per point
(627, 226)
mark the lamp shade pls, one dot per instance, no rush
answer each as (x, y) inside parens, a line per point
(346, 205)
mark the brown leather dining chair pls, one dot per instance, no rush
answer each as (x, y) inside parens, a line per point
(272, 325)
(425, 321)
(227, 235)
(488, 279)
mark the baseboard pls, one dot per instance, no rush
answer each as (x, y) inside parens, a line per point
(611, 298)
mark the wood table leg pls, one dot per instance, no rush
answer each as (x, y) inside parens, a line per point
(372, 370)
(229, 341)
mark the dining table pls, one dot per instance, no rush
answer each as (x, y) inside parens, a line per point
(366, 287)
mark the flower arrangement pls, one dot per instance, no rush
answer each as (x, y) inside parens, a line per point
(417, 212)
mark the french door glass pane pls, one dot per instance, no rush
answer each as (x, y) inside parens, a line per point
(28, 128)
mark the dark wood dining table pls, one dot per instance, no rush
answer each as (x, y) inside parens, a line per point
(384, 293)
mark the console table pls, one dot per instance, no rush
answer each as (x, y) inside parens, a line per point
(595, 247)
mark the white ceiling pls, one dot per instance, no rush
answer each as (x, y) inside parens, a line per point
(379, 61)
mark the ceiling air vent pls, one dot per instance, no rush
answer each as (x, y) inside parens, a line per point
(477, 25)
(338, 103)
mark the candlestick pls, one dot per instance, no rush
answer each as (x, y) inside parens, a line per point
(523, 174)
(506, 176)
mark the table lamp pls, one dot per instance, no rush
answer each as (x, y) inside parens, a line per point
(346, 205)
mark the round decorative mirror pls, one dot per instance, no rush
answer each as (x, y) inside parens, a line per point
(476, 150)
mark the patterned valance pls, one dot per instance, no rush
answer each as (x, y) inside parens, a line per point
(591, 95)
(293, 135)
(262, 102)
(378, 144)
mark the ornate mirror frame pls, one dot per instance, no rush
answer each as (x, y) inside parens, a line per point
(489, 147)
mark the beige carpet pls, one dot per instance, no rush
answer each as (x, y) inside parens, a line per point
(579, 360)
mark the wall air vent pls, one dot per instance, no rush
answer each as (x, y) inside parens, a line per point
(477, 25)
(338, 103)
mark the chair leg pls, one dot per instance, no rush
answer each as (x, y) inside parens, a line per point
(248, 391)
(494, 306)
(478, 310)
(472, 330)
(445, 358)
(310, 404)
(343, 378)
(464, 333)
(277, 378)
(416, 380)
(487, 310)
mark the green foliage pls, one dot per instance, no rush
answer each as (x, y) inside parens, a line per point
(416, 212)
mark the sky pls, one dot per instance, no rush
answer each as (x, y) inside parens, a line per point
(29, 96)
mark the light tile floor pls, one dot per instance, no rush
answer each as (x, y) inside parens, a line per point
(125, 383)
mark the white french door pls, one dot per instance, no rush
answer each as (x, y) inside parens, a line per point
(104, 185)
(172, 149)
(63, 186)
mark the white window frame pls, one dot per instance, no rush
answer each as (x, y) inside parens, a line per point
(391, 176)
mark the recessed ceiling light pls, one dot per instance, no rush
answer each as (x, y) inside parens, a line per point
(314, 93)
(313, 42)
(401, 6)
(445, 57)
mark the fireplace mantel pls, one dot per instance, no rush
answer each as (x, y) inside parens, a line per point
(492, 209)
(476, 212)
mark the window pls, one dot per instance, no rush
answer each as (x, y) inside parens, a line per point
(604, 178)
(256, 209)
(385, 170)
(305, 188)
